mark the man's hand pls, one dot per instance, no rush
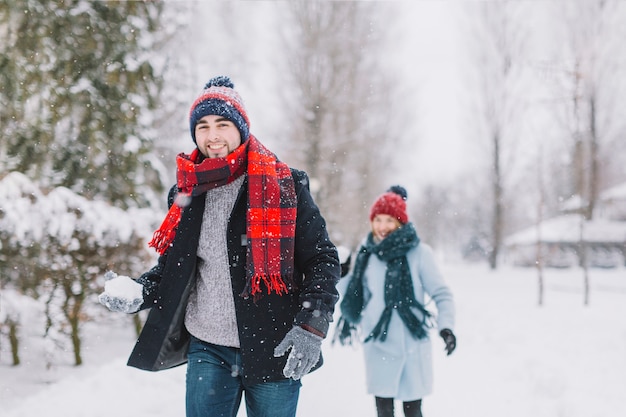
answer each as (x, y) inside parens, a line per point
(305, 352)
(121, 293)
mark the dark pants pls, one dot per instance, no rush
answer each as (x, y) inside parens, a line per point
(215, 386)
(384, 407)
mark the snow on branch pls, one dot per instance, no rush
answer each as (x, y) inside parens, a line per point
(28, 216)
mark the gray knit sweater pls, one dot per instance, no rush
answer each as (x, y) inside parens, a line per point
(210, 314)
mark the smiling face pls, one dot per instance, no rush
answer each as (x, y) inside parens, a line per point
(216, 136)
(383, 225)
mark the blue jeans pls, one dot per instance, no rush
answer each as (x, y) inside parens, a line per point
(215, 386)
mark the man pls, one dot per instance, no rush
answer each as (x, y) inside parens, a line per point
(246, 274)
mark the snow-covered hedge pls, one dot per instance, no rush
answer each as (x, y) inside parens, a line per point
(55, 248)
(28, 216)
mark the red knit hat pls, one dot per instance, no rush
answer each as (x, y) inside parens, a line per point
(391, 203)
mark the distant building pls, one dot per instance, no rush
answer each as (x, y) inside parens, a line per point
(614, 203)
(563, 239)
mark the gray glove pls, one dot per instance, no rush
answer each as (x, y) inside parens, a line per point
(305, 352)
(121, 293)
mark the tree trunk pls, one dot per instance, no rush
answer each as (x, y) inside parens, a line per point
(75, 336)
(498, 208)
(594, 160)
(14, 341)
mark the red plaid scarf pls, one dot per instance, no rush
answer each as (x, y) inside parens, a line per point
(271, 214)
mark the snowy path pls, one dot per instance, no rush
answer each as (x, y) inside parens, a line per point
(514, 359)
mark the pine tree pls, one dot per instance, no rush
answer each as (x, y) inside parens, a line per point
(78, 87)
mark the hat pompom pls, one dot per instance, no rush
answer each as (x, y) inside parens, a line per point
(220, 81)
(400, 190)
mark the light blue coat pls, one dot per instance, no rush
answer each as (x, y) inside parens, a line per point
(401, 367)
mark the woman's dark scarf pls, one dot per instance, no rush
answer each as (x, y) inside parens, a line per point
(271, 214)
(399, 292)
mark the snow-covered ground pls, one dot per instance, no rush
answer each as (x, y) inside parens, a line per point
(513, 359)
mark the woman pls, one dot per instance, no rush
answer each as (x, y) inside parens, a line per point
(393, 273)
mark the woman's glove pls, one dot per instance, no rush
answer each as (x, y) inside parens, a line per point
(121, 293)
(449, 338)
(345, 256)
(305, 352)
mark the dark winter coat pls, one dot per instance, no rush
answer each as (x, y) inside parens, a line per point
(262, 325)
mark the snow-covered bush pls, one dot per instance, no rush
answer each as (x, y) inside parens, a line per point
(56, 246)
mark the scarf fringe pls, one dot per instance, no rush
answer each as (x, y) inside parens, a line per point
(382, 327)
(273, 283)
(417, 328)
(345, 332)
(164, 236)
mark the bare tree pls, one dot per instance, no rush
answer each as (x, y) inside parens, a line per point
(499, 44)
(592, 78)
(341, 108)
(539, 261)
